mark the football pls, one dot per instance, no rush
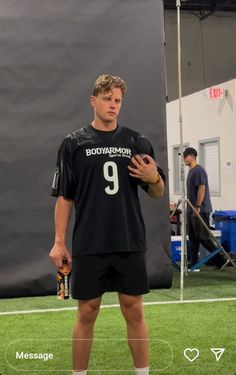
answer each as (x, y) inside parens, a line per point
(143, 156)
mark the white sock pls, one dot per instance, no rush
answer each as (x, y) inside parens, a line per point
(142, 371)
(84, 372)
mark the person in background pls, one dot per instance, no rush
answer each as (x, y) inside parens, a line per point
(198, 194)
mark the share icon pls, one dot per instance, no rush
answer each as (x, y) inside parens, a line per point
(218, 353)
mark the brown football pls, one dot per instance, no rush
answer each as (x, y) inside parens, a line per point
(143, 156)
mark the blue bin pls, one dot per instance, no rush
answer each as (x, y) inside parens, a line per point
(176, 248)
(225, 221)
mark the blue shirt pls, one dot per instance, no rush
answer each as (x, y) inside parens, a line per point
(198, 176)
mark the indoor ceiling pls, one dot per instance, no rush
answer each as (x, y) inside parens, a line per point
(211, 6)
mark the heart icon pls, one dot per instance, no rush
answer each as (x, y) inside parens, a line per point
(191, 354)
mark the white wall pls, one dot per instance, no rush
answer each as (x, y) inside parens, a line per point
(204, 119)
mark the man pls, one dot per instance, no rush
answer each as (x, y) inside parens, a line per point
(108, 253)
(198, 194)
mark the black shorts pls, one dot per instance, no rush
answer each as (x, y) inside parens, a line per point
(93, 275)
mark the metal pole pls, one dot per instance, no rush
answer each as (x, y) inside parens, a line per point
(182, 177)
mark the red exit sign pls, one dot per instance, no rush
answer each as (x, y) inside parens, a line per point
(215, 93)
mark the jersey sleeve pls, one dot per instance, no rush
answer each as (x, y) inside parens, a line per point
(63, 180)
(201, 177)
(145, 147)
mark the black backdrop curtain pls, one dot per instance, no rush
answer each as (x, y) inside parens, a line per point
(51, 53)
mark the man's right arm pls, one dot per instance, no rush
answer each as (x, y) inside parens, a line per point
(62, 217)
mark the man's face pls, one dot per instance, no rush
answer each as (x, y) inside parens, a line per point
(107, 105)
(188, 160)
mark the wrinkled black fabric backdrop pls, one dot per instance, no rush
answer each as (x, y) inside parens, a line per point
(51, 53)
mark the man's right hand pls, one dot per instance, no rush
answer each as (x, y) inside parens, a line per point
(58, 253)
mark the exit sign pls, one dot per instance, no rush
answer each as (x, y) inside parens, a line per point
(215, 93)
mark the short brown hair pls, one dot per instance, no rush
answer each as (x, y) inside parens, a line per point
(107, 82)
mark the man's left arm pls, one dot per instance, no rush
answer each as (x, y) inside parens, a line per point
(148, 173)
(200, 196)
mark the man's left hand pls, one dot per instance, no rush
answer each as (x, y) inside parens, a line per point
(198, 209)
(147, 172)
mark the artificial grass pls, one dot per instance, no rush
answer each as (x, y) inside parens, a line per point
(209, 283)
(201, 326)
(197, 325)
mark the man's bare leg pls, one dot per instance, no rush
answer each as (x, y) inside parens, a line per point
(83, 332)
(137, 331)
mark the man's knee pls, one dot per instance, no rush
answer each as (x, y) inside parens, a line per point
(132, 310)
(88, 311)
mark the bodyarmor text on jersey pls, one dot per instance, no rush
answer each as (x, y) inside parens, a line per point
(112, 151)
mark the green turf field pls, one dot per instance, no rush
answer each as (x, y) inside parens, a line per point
(173, 328)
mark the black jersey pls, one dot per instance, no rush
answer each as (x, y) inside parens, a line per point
(92, 171)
